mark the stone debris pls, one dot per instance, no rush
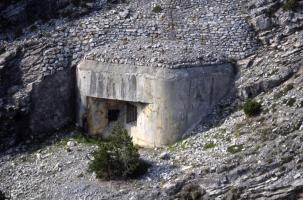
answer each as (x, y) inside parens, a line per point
(268, 160)
(268, 165)
(165, 156)
(71, 143)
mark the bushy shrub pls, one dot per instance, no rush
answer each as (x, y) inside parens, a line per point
(235, 149)
(290, 5)
(252, 108)
(209, 145)
(157, 9)
(117, 158)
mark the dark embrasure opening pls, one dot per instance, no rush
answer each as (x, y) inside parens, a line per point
(113, 115)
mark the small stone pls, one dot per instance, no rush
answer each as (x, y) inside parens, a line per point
(262, 23)
(224, 180)
(213, 169)
(185, 168)
(68, 149)
(165, 156)
(38, 156)
(58, 167)
(90, 5)
(298, 175)
(71, 143)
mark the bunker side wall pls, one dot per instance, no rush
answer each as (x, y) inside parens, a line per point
(180, 104)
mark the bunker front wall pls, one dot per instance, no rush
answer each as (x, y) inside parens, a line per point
(170, 102)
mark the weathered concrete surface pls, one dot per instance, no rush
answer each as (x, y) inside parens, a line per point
(169, 102)
(96, 115)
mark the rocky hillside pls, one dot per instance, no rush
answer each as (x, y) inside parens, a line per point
(231, 156)
(48, 55)
(15, 15)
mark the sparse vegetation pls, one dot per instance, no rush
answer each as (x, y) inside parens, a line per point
(252, 108)
(209, 145)
(80, 138)
(273, 107)
(286, 159)
(290, 102)
(117, 158)
(220, 135)
(265, 134)
(239, 129)
(283, 92)
(288, 87)
(279, 95)
(235, 149)
(157, 9)
(290, 5)
(181, 144)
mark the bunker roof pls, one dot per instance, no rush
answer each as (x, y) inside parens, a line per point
(162, 53)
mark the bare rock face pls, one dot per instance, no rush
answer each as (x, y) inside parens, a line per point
(262, 23)
(10, 107)
(281, 57)
(272, 21)
(22, 94)
(54, 95)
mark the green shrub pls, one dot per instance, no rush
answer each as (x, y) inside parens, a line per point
(290, 102)
(235, 149)
(290, 5)
(283, 92)
(209, 145)
(266, 134)
(252, 108)
(157, 9)
(117, 158)
(288, 87)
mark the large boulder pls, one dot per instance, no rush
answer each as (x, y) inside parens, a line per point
(262, 23)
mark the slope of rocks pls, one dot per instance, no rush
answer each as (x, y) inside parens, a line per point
(231, 156)
(251, 158)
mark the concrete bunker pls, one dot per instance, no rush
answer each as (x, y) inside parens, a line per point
(156, 105)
